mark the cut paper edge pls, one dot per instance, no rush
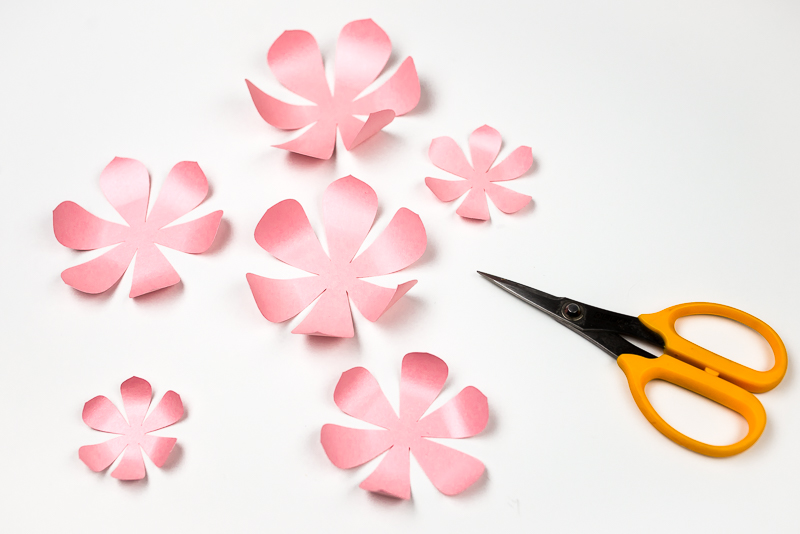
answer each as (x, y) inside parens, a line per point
(376, 122)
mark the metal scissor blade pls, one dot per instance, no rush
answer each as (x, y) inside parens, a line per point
(538, 299)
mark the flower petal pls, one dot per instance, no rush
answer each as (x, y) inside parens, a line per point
(184, 189)
(507, 200)
(358, 394)
(317, 142)
(451, 471)
(348, 210)
(462, 416)
(475, 205)
(361, 53)
(515, 165)
(279, 300)
(78, 229)
(284, 232)
(349, 447)
(101, 414)
(445, 154)
(372, 300)
(447, 190)
(354, 131)
(402, 243)
(421, 379)
(100, 456)
(295, 59)
(136, 395)
(99, 274)
(484, 146)
(330, 316)
(280, 114)
(168, 412)
(158, 448)
(193, 237)
(126, 184)
(131, 467)
(400, 93)
(152, 271)
(392, 476)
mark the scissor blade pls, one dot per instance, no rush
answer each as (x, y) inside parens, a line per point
(538, 299)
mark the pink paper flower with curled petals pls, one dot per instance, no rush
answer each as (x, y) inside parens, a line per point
(100, 414)
(422, 377)
(126, 184)
(484, 145)
(349, 209)
(361, 53)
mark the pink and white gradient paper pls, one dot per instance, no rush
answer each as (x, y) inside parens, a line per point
(422, 377)
(484, 146)
(134, 434)
(361, 54)
(349, 209)
(126, 184)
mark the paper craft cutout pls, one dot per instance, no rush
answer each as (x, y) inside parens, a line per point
(349, 209)
(126, 184)
(361, 54)
(484, 146)
(101, 414)
(421, 379)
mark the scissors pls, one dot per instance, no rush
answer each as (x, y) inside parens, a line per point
(683, 363)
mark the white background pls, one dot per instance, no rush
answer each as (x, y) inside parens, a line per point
(666, 134)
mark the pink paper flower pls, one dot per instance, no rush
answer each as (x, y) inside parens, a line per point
(361, 53)
(100, 414)
(126, 184)
(349, 208)
(422, 377)
(484, 145)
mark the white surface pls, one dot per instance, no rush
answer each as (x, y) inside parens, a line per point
(667, 138)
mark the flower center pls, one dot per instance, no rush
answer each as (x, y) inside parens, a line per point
(338, 275)
(135, 434)
(142, 234)
(405, 433)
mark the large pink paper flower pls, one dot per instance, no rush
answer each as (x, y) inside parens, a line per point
(422, 377)
(484, 145)
(361, 53)
(349, 208)
(100, 414)
(126, 184)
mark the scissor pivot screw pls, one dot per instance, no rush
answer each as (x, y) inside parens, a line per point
(572, 311)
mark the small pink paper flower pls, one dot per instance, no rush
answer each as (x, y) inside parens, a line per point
(349, 209)
(100, 414)
(484, 145)
(421, 379)
(126, 184)
(361, 53)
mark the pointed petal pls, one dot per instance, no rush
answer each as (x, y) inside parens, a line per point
(193, 237)
(402, 243)
(152, 271)
(392, 476)
(131, 467)
(136, 396)
(284, 232)
(99, 274)
(100, 456)
(348, 210)
(447, 190)
(361, 53)
(279, 300)
(329, 317)
(515, 165)
(184, 189)
(78, 229)
(484, 146)
(317, 142)
(445, 154)
(126, 184)
(400, 93)
(101, 414)
(451, 471)
(475, 205)
(462, 416)
(507, 200)
(358, 394)
(297, 63)
(421, 379)
(280, 114)
(168, 412)
(158, 448)
(349, 447)
(372, 300)
(354, 131)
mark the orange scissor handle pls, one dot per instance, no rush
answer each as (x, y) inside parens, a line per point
(663, 322)
(640, 371)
